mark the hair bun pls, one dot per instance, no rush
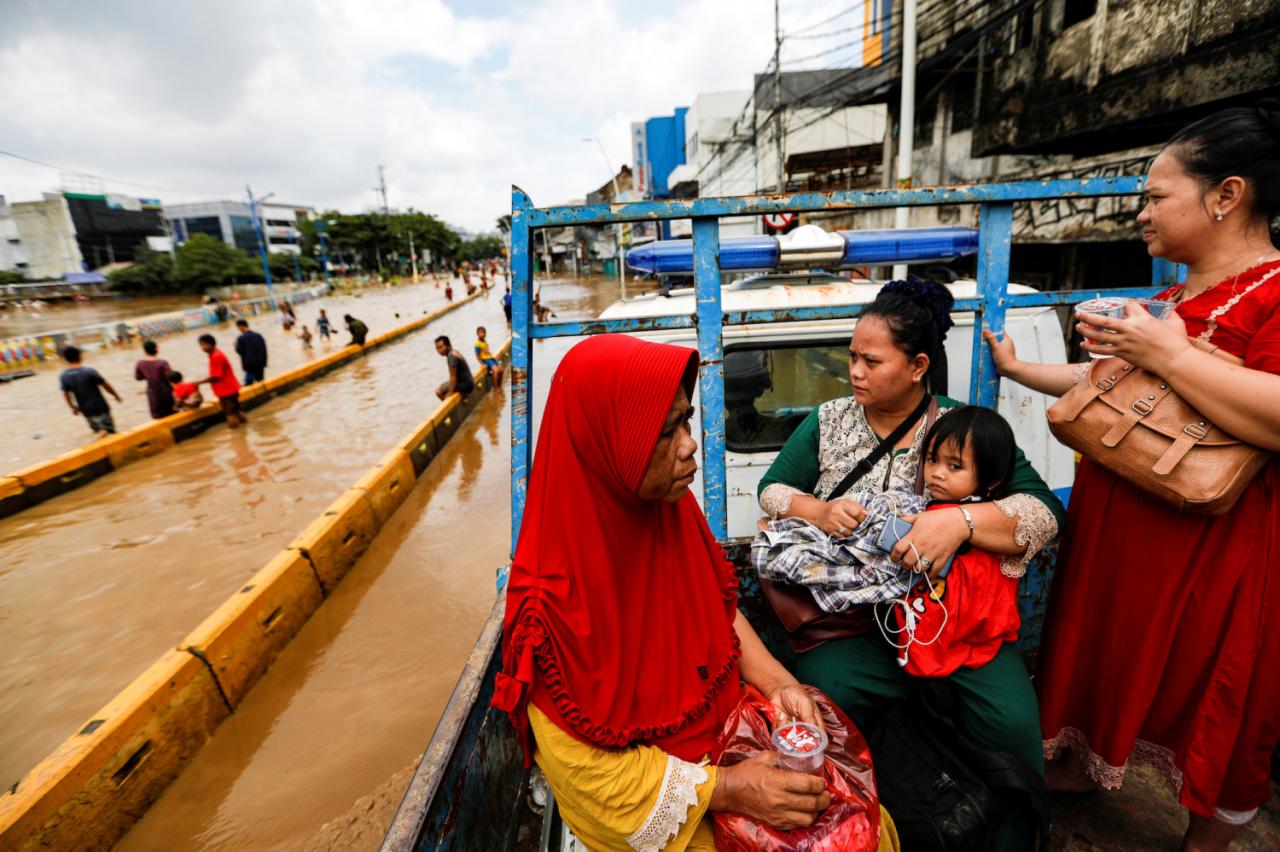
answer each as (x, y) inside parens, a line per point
(1269, 112)
(930, 294)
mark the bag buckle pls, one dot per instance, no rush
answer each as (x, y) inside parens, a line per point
(1106, 384)
(1142, 407)
(1196, 431)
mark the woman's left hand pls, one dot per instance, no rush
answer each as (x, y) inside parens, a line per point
(1138, 337)
(936, 536)
(791, 704)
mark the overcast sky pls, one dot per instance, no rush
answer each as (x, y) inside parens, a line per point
(305, 98)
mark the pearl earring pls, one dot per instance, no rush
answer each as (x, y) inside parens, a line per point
(916, 379)
(1219, 216)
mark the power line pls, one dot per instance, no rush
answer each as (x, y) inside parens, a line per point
(826, 52)
(827, 34)
(104, 179)
(817, 24)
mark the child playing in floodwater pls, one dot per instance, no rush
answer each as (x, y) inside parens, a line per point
(186, 395)
(305, 337)
(485, 356)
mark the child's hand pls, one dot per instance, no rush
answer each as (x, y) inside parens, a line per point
(840, 517)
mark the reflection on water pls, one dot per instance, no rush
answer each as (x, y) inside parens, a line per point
(372, 670)
(97, 583)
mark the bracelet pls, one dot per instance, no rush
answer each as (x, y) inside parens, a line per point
(968, 519)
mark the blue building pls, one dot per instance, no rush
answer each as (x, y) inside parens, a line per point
(664, 144)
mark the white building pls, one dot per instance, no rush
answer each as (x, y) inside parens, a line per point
(38, 238)
(232, 222)
(718, 154)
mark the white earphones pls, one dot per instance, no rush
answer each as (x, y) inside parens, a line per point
(909, 618)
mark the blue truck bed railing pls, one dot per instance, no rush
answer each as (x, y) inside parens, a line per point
(995, 224)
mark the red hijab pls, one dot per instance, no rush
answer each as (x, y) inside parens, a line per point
(619, 622)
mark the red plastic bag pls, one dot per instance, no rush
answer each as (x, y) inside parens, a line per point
(851, 824)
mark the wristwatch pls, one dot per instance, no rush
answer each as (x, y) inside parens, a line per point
(968, 519)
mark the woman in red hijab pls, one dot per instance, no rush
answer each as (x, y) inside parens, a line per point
(623, 650)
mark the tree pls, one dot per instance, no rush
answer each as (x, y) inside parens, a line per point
(482, 247)
(151, 272)
(204, 261)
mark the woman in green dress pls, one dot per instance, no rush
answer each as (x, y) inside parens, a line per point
(896, 356)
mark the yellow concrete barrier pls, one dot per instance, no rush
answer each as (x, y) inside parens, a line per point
(62, 466)
(10, 487)
(334, 541)
(243, 637)
(138, 443)
(89, 792)
(388, 484)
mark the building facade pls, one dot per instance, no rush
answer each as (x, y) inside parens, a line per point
(39, 238)
(232, 222)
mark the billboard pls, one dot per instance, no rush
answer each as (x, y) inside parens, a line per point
(640, 160)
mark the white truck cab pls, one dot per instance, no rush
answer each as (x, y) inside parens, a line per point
(776, 373)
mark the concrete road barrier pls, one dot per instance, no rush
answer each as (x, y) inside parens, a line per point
(91, 790)
(65, 473)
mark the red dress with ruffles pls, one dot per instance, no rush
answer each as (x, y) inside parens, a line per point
(1162, 638)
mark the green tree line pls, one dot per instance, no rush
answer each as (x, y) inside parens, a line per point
(367, 242)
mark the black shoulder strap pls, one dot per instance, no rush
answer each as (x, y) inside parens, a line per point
(863, 467)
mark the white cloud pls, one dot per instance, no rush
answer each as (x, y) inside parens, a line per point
(307, 99)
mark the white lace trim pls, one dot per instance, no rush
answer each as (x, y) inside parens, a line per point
(1036, 526)
(775, 499)
(679, 793)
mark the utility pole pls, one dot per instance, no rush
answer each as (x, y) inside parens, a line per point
(777, 94)
(906, 119)
(324, 253)
(413, 258)
(382, 188)
(262, 242)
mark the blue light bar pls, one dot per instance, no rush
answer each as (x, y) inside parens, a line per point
(811, 248)
(736, 253)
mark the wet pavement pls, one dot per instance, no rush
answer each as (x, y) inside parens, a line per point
(97, 583)
(38, 425)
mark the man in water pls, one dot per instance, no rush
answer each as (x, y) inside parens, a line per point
(155, 371)
(460, 380)
(359, 331)
(252, 349)
(222, 381)
(80, 388)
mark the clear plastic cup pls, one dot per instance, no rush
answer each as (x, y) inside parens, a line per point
(1114, 306)
(800, 747)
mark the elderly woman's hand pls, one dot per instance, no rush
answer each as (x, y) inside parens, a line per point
(757, 788)
(839, 517)
(1138, 337)
(936, 536)
(791, 703)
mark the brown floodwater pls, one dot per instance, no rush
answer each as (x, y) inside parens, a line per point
(39, 425)
(97, 583)
(370, 673)
(27, 317)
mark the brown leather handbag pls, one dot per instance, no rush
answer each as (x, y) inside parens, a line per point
(1133, 424)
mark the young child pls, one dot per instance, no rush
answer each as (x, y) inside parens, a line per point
(322, 325)
(962, 619)
(305, 337)
(485, 357)
(186, 395)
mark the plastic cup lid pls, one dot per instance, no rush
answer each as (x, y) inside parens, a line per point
(799, 738)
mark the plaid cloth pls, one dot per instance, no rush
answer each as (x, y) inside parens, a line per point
(840, 571)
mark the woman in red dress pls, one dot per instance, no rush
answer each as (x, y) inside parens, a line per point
(1163, 633)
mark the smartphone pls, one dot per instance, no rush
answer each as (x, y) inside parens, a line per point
(893, 531)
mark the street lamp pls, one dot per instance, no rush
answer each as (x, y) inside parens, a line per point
(622, 275)
(262, 241)
(324, 249)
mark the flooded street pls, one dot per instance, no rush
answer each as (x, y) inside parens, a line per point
(372, 670)
(40, 426)
(96, 583)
